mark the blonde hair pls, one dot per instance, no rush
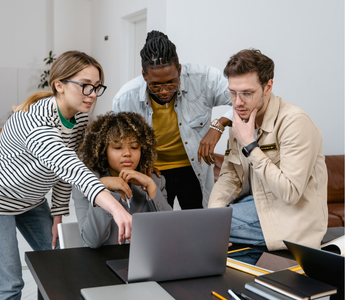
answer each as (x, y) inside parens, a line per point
(67, 65)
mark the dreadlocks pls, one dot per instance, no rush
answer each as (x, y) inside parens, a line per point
(158, 51)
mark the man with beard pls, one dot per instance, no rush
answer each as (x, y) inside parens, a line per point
(177, 101)
(274, 173)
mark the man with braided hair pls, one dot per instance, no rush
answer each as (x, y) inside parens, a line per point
(177, 100)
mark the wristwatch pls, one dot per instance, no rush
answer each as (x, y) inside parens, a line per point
(246, 150)
(217, 126)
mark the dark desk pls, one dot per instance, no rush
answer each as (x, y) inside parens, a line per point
(60, 274)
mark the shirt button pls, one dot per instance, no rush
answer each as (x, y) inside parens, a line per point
(201, 123)
(186, 143)
(199, 174)
(175, 105)
(180, 124)
(192, 159)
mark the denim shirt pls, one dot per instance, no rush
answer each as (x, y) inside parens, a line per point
(201, 89)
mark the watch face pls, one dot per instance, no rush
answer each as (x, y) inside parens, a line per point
(245, 151)
(214, 122)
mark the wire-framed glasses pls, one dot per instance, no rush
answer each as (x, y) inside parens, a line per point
(244, 96)
(158, 88)
(89, 88)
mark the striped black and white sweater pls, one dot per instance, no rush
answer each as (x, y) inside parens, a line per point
(37, 153)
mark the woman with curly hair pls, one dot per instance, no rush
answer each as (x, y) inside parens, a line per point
(119, 149)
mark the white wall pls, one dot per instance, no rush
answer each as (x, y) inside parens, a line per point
(110, 17)
(23, 33)
(72, 25)
(29, 30)
(304, 38)
(23, 47)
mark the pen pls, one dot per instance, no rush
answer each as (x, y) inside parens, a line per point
(239, 294)
(233, 295)
(218, 296)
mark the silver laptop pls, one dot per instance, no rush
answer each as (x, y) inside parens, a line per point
(176, 244)
(142, 290)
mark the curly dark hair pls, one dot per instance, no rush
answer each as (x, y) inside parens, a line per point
(111, 127)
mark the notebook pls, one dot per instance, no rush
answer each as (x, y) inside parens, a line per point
(295, 286)
(266, 292)
(144, 291)
(321, 265)
(175, 245)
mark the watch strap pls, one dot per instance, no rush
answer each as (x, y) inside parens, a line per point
(217, 126)
(246, 150)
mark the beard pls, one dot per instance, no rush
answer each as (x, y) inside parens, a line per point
(159, 101)
(259, 107)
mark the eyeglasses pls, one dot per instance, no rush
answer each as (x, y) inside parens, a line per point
(158, 88)
(244, 96)
(89, 88)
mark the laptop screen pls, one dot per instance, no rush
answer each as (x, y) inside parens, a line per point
(179, 244)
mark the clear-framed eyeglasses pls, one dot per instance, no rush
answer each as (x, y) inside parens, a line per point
(246, 97)
(159, 88)
(88, 88)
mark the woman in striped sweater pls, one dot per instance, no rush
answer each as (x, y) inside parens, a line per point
(37, 153)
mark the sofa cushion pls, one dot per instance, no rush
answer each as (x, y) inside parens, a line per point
(336, 212)
(335, 221)
(335, 169)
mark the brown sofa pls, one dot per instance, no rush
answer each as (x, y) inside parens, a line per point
(335, 192)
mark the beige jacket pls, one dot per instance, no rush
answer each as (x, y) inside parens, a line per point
(288, 176)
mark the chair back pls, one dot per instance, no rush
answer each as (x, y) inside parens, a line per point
(69, 235)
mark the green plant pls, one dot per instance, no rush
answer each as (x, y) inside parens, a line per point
(45, 75)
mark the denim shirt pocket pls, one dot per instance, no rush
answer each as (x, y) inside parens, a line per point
(199, 122)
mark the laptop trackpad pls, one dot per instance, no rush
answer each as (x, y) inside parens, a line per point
(120, 267)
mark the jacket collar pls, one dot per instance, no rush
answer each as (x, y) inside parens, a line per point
(271, 114)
